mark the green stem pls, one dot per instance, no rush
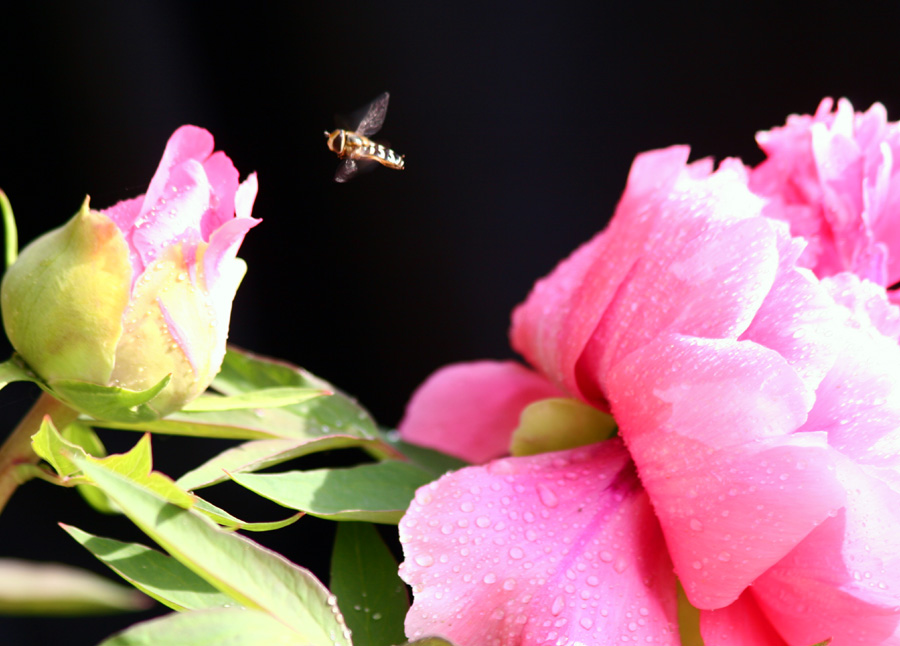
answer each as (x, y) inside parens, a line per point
(16, 450)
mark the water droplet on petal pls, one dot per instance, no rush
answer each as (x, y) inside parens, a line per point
(547, 495)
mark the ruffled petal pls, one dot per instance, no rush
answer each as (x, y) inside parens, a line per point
(553, 326)
(713, 261)
(709, 424)
(842, 581)
(560, 548)
(471, 409)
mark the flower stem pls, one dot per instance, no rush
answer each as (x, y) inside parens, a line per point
(16, 450)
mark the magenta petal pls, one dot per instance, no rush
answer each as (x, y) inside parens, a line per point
(560, 548)
(740, 624)
(709, 425)
(471, 409)
(841, 581)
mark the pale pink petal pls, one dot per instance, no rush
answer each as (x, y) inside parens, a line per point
(867, 303)
(560, 548)
(709, 423)
(245, 197)
(471, 409)
(798, 317)
(223, 180)
(740, 624)
(842, 581)
(187, 143)
(223, 247)
(176, 214)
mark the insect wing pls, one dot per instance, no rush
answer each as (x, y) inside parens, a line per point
(374, 116)
(346, 170)
(350, 168)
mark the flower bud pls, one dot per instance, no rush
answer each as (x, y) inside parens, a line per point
(130, 295)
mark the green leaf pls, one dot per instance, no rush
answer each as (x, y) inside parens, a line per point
(379, 493)
(261, 454)
(255, 577)
(10, 235)
(84, 436)
(108, 402)
(153, 573)
(212, 627)
(429, 459)
(225, 519)
(51, 447)
(53, 589)
(264, 398)
(137, 465)
(370, 593)
(430, 641)
(244, 372)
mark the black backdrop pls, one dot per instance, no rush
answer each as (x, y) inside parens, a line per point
(518, 120)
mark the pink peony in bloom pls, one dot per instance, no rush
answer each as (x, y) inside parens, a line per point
(833, 177)
(126, 296)
(757, 461)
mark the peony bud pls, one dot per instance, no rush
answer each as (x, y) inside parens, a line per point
(139, 292)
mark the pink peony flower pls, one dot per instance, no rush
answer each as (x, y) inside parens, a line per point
(756, 465)
(833, 178)
(126, 296)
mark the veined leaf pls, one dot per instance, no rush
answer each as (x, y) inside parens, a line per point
(255, 577)
(225, 519)
(263, 398)
(378, 492)
(261, 454)
(370, 593)
(211, 627)
(152, 572)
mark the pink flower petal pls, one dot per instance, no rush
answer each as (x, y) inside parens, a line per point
(225, 241)
(612, 296)
(709, 424)
(554, 325)
(471, 409)
(223, 179)
(740, 624)
(188, 143)
(560, 548)
(842, 581)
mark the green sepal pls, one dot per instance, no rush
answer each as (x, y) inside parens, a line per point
(108, 403)
(10, 233)
(14, 369)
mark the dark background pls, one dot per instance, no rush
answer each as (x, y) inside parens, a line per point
(518, 120)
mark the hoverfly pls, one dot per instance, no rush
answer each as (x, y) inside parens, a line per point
(354, 147)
